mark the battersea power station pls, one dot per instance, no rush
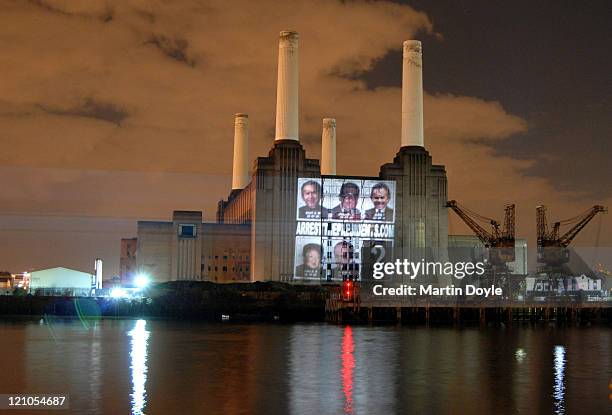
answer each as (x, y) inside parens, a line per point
(292, 218)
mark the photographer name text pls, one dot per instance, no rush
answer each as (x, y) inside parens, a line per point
(449, 290)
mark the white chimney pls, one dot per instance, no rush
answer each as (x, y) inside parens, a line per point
(328, 147)
(287, 126)
(98, 276)
(240, 177)
(412, 95)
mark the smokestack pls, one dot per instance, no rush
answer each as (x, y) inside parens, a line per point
(240, 177)
(328, 147)
(98, 277)
(287, 87)
(412, 95)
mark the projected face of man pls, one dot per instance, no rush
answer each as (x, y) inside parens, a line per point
(341, 253)
(312, 258)
(310, 196)
(348, 200)
(380, 198)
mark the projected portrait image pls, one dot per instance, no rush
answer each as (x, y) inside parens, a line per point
(344, 199)
(381, 200)
(308, 259)
(342, 259)
(309, 200)
(336, 218)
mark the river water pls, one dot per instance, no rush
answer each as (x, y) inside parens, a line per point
(161, 367)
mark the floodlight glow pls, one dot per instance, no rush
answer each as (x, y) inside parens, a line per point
(141, 281)
(118, 292)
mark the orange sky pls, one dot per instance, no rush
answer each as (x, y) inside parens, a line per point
(124, 109)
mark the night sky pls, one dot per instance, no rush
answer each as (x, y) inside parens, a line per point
(114, 111)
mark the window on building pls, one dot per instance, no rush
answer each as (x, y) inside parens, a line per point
(224, 268)
(187, 231)
(216, 268)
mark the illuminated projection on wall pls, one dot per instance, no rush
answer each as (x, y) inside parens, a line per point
(341, 223)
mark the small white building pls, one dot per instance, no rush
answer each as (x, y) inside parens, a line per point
(571, 284)
(585, 283)
(61, 281)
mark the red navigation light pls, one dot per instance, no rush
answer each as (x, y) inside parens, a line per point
(348, 289)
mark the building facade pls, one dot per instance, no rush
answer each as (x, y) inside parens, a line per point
(255, 235)
(188, 249)
(61, 281)
(127, 261)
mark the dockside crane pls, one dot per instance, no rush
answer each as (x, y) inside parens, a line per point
(499, 242)
(552, 247)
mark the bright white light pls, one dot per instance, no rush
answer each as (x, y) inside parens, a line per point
(559, 385)
(138, 365)
(141, 281)
(520, 355)
(118, 292)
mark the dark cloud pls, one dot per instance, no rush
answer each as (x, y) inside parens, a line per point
(49, 7)
(352, 69)
(91, 109)
(107, 17)
(106, 14)
(174, 48)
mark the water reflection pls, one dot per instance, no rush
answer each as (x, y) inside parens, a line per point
(559, 385)
(309, 369)
(315, 367)
(520, 355)
(95, 367)
(138, 365)
(348, 364)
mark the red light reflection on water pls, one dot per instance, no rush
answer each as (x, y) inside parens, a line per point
(348, 363)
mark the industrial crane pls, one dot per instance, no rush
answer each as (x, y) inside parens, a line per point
(552, 247)
(499, 242)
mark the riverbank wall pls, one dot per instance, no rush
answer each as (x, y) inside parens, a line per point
(260, 301)
(274, 301)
